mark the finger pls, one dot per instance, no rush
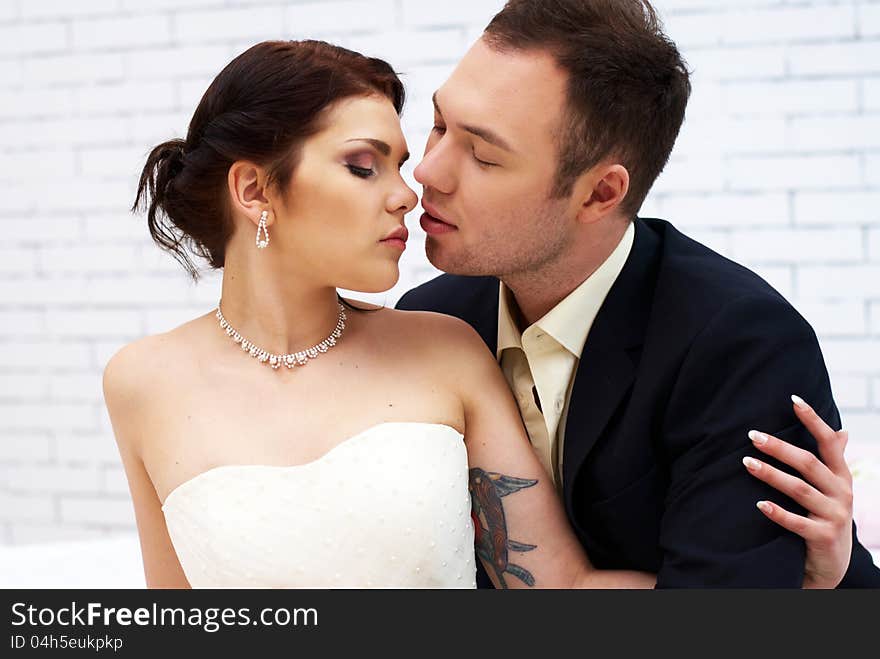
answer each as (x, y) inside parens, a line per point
(844, 437)
(807, 464)
(830, 443)
(808, 529)
(798, 490)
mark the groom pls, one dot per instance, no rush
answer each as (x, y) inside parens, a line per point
(639, 358)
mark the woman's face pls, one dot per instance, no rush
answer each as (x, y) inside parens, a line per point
(345, 197)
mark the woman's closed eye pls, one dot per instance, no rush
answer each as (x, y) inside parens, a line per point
(360, 172)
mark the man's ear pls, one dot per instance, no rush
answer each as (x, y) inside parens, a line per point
(602, 189)
(247, 189)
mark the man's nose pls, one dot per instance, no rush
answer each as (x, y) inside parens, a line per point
(436, 170)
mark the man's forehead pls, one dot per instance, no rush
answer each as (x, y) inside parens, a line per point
(509, 70)
(518, 89)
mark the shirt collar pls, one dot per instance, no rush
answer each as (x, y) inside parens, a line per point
(569, 322)
(509, 335)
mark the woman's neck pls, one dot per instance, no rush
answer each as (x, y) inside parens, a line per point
(280, 314)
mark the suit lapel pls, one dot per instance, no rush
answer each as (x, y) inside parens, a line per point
(482, 312)
(607, 368)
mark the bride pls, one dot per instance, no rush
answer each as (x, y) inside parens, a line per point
(293, 438)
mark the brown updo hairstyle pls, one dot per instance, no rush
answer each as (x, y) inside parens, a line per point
(261, 107)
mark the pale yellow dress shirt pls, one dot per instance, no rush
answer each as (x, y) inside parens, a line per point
(542, 361)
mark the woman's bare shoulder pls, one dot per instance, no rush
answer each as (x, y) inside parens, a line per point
(443, 337)
(452, 351)
(136, 366)
(130, 363)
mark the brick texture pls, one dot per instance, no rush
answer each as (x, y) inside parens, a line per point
(777, 166)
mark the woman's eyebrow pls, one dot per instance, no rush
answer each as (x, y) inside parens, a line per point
(382, 147)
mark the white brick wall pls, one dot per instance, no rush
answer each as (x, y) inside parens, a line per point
(778, 167)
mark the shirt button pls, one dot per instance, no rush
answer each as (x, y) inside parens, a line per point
(560, 403)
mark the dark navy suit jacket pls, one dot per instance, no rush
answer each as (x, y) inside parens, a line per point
(688, 353)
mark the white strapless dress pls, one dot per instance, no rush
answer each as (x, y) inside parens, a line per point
(386, 508)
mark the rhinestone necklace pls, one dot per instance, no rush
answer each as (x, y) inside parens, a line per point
(300, 358)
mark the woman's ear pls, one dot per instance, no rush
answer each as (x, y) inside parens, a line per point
(604, 188)
(247, 189)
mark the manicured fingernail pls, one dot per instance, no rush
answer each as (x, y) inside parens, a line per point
(797, 400)
(751, 463)
(765, 507)
(758, 438)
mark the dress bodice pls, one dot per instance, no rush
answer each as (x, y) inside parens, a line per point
(388, 507)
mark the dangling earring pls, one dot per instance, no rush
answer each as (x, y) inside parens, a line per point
(262, 244)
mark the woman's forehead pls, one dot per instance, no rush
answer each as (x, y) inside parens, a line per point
(371, 117)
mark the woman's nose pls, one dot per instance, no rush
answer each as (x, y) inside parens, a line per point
(404, 199)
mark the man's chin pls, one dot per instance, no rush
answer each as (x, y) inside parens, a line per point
(442, 258)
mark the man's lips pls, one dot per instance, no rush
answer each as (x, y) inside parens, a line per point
(435, 213)
(433, 222)
(433, 226)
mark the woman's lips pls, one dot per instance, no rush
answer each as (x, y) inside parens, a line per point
(433, 226)
(397, 243)
(397, 238)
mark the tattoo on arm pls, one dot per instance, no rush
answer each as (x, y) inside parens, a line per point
(491, 541)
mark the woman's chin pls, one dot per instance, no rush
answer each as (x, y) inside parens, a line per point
(378, 284)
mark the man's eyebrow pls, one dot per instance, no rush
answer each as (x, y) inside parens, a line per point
(382, 147)
(483, 133)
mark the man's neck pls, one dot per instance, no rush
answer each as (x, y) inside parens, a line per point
(534, 296)
(536, 292)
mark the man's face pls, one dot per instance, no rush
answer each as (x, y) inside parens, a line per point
(495, 217)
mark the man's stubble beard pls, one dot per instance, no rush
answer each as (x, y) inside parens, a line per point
(543, 243)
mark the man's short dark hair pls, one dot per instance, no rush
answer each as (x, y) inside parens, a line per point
(627, 83)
